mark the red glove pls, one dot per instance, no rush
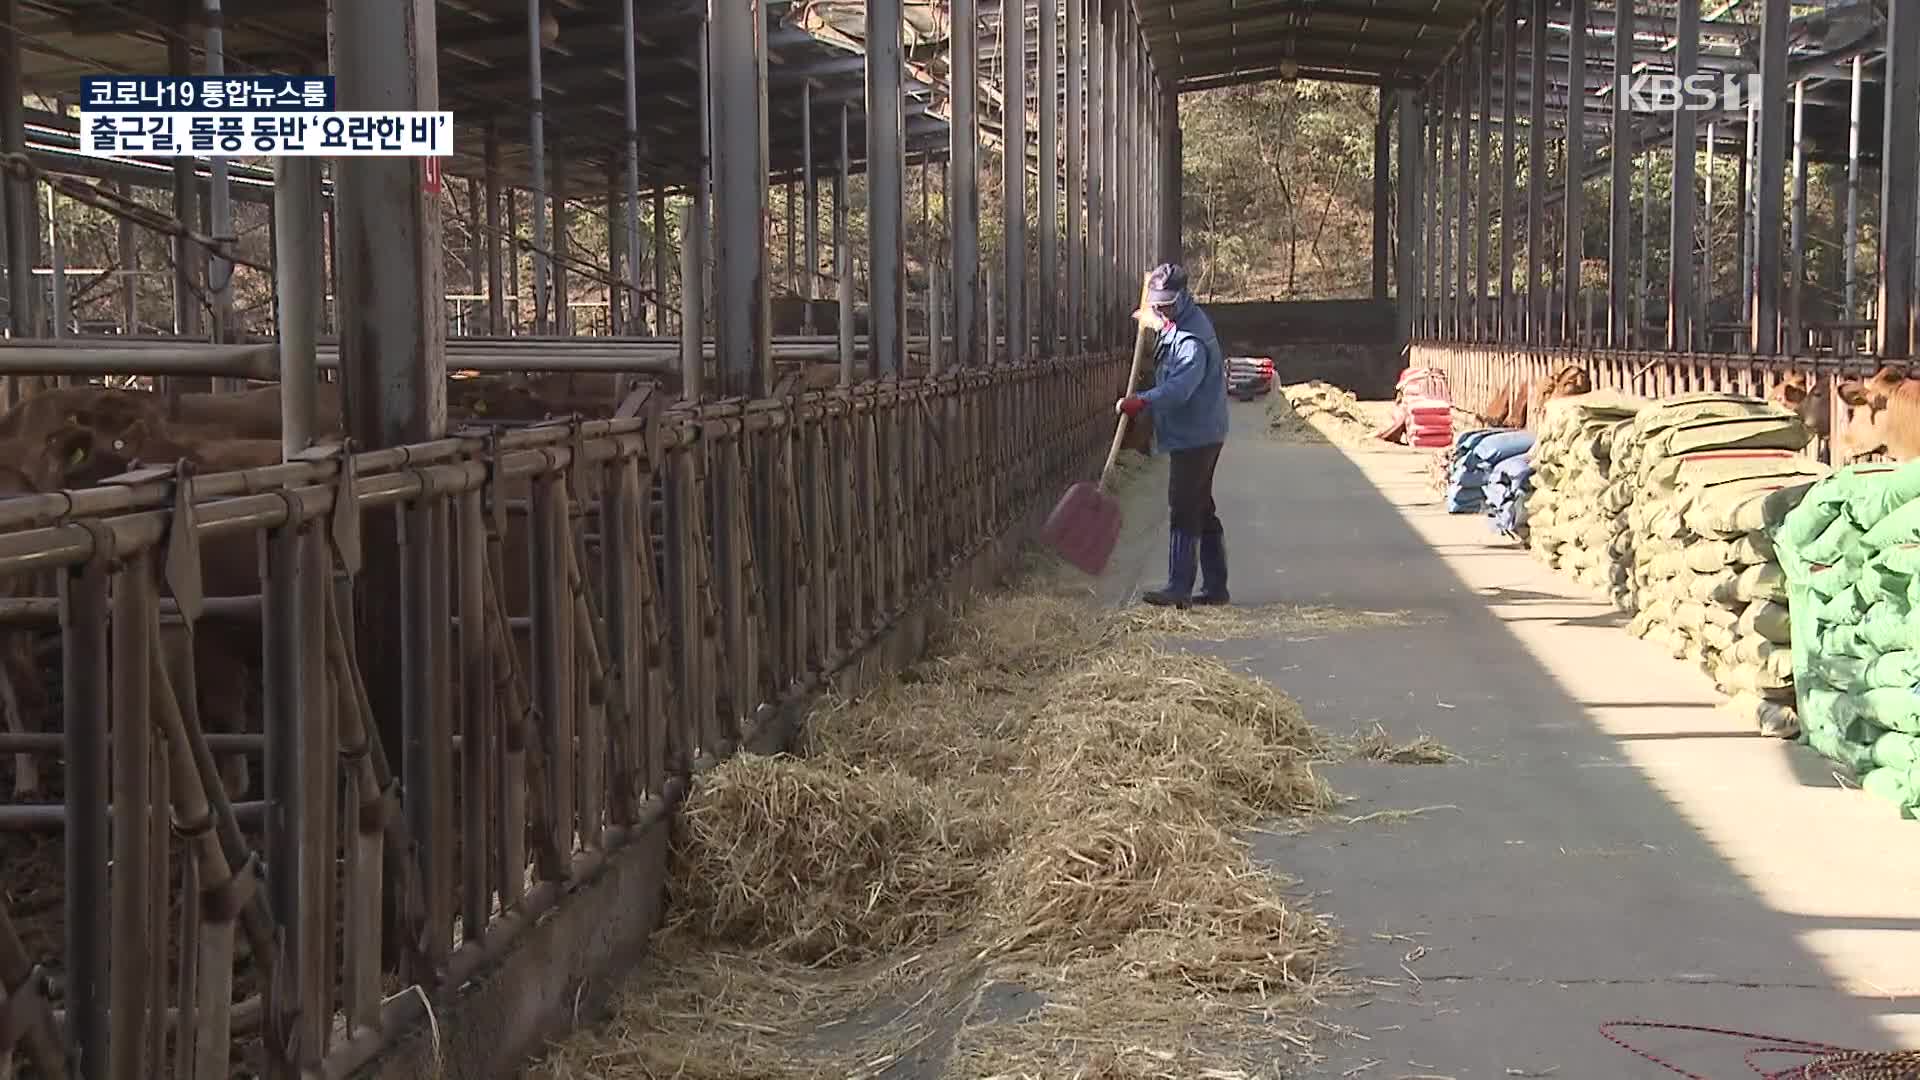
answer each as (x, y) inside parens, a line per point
(1131, 406)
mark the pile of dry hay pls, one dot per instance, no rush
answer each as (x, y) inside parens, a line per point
(1317, 412)
(1051, 802)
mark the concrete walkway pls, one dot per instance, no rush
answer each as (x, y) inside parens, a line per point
(1611, 848)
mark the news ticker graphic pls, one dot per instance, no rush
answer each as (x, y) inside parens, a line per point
(246, 116)
(207, 93)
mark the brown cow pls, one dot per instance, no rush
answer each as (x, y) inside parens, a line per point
(1798, 393)
(1506, 406)
(74, 457)
(1883, 415)
(30, 464)
(1568, 381)
(97, 408)
(254, 414)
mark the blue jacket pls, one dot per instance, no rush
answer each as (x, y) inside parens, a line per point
(1188, 401)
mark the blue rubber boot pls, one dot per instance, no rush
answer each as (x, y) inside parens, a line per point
(1213, 570)
(1183, 550)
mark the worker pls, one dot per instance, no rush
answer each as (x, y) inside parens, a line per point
(1188, 404)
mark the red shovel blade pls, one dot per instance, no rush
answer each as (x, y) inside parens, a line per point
(1084, 527)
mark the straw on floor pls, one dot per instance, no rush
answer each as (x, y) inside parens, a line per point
(1052, 803)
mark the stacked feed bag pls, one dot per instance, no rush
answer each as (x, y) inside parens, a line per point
(1670, 428)
(1475, 455)
(1568, 524)
(1429, 423)
(1506, 495)
(1424, 400)
(1706, 578)
(1851, 550)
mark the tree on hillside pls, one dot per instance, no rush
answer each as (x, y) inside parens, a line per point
(1278, 188)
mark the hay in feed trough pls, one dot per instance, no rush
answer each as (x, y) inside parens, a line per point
(825, 865)
(1052, 800)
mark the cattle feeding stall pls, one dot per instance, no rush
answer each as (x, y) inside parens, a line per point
(483, 607)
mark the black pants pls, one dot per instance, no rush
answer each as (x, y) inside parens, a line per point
(1190, 491)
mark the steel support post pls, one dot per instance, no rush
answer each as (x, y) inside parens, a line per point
(512, 259)
(1173, 241)
(23, 214)
(1126, 175)
(1851, 246)
(616, 261)
(1146, 211)
(1382, 200)
(1462, 187)
(886, 190)
(562, 319)
(842, 252)
(61, 322)
(810, 277)
(1573, 203)
(392, 347)
(1110, 284)
(1115, 172)
(737, 70)
(1620, 191)
(1406, 221)
(1681, 336)
(537, 167)
(1744, 238)
(1013, 175)
(1483, 173)
(703, 181)
(1639, 335)
(1899, 183)
(659, 224)
(693, 364)
(298, 279)
(1433, 265)
(1449, 178)
(1770, 176)
(1047, 85)
(1797, 228)
(1096, 265)
(1709, 280)
(1507, 323)
(789, 266)
(220, 198)
(496, 297)
(963, 213)
(1124, 180)
(1074, 328)
(1463, 183)
(630, 76)
(130, 269)
(1536, 324)
(1851, 251)
(1137, 156)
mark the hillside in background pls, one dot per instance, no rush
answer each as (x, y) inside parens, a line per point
(1278, 190)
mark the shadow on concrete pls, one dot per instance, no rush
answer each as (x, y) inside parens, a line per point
(1680, 875)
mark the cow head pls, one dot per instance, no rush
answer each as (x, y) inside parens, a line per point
(1568, 381)
(1802, 395)
(69, 456)
(1864, 406)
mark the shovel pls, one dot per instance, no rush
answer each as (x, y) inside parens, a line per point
(1085, 523)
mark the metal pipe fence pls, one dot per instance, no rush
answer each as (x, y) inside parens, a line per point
(593, 613)
(1476, 372)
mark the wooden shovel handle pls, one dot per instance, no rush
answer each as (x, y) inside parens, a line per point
(1142, 348)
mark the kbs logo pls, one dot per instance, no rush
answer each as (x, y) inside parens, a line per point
(1651, 92)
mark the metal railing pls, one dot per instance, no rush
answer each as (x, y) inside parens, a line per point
(593, 612)
(1475, 372)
